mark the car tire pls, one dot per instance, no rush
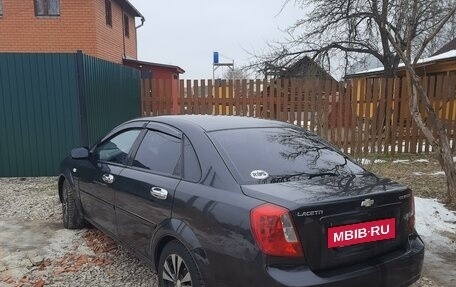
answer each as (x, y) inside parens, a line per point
(177, 267)
(72, 217)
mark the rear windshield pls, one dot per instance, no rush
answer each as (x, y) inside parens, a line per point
(269, 155)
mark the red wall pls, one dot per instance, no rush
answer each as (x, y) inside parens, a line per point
(80, 26)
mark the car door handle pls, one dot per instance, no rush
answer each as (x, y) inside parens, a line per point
(108, 178)
(159, 192)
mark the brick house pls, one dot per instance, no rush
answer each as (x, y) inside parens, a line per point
(104, 29)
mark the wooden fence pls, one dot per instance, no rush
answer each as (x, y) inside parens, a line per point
(359, 116)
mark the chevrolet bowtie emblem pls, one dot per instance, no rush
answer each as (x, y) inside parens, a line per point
(367, 202)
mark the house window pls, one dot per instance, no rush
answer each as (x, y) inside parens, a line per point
(108, 9)
(126, 26)
(47, 7)
(1, 7)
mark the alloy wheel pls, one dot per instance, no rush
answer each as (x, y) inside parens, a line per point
(175, 272)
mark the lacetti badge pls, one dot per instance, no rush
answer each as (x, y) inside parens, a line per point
(259, 174)
(367, 202)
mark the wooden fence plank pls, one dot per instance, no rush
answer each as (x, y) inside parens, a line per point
(421, 141)
(452, 112)
(312, 105)
(360, 132)
(279, 98)
(244, 98)
(299, 107)
(406, 116)
(210, 97)
(350, 105)
(264, 99)
(237, 97)
(388, 98)
(229, 97)
(374, 114)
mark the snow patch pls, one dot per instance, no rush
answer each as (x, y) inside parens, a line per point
(447, 55)
(364, 161)
(438, 173)
(434, 222)
(406, 161)
(421, 160)
(418, 173)
(379, 161)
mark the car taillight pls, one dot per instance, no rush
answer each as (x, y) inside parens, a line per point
(274, 231)
(411, 222)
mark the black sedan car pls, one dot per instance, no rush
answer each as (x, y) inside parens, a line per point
(230, 201)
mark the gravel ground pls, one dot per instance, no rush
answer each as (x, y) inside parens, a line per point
(35, 249)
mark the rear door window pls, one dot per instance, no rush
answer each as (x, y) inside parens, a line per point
(192, 169)
(161, 153)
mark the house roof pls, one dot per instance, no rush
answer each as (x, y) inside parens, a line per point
(142, 63)
(437, 58)
(301, 67)
(446, 48)
(126, 5)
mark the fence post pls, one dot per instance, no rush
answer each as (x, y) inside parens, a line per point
(82, 100)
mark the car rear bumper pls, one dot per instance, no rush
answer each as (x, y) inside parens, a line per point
(396, 269)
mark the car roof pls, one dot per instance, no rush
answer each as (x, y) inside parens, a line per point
(213, 123)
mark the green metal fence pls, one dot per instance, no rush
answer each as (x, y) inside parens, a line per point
(113, 95)
(50, 103)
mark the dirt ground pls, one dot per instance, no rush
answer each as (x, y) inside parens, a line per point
(425, 177)
(421, 173)
(35, 249)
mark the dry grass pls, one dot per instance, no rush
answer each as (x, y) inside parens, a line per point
(424, 178)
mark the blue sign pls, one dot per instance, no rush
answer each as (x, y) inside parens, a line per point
(216, 57)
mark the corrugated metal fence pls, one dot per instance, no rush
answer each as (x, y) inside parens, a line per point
(50, 103)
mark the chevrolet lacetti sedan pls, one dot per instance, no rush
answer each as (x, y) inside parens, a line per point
(229, 201)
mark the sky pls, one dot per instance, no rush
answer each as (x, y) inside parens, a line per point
(185, 33)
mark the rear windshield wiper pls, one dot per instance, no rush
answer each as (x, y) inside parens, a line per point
(322, 174)
(286, 178)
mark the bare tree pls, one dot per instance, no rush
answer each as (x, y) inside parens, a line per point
(235, 74)
(447, 34)
(353, 29)
(428, 121)
(389, 30)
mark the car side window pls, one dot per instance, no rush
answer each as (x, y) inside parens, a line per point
(116, 149)
(160, 152)
(192, 169)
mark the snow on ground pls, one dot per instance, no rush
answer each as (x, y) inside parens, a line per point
(418, 173)
(422, 160)
(437, 227)
(406, 161)
(379, 161)
(433, 221)
(437, 173)
(364, 161)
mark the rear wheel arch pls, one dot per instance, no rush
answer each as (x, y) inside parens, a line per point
(176, 262)
(174, 229)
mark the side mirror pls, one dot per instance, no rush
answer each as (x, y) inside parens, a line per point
(80, 153)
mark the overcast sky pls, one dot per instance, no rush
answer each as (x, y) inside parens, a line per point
(186, 33)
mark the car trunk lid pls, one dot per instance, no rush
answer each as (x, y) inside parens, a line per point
(330, 211)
